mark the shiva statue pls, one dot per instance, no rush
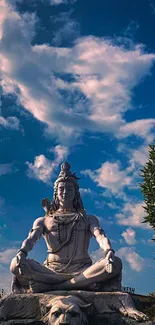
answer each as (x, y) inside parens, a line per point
(67, 231)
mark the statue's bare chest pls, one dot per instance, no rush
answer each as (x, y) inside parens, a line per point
(61, 230)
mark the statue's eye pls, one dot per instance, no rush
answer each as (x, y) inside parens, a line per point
(56, 313)
(73, 313)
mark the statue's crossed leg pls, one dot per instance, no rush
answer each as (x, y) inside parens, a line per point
(41, 278)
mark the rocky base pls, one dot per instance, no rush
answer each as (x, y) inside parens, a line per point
(100, 321)
(106, 308)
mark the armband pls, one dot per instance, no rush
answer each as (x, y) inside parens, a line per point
(22, 250)
(108, 250)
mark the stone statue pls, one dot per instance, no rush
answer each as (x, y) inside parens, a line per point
(67, 230)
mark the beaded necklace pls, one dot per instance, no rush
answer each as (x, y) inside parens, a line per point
(60, 220)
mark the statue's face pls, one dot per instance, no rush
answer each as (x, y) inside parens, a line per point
(66, 193)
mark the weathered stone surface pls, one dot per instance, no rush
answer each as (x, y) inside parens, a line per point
(107, 308)
(22, 322)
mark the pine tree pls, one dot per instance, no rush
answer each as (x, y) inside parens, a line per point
(148, 187)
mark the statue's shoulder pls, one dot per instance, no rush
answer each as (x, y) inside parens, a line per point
(49, 221)
(92, 220)
(39, 222)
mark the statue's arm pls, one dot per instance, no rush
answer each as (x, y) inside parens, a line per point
(34, 234)
(100, 235)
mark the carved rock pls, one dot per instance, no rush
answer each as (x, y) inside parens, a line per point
(106, 308)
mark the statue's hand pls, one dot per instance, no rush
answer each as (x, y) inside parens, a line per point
(109, 261)
(21, 262)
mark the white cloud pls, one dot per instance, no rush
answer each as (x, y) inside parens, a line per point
(140, 128)
(97, 255)
(86, 191)
(127, 254)
(10, 122)
(42, 169)
(69, 31)
(58, 2)
(135, 261)
(61, 153)
(98, 94)
(110, 176)
(129, 236)
(5, 279)
(132, 215)
(139, 156)
(5, 169)
(3, 13)
(7, 255)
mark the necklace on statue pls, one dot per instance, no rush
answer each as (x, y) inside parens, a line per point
(68, 230)
(68, 221)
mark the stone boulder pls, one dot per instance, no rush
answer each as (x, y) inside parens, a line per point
(77, 307)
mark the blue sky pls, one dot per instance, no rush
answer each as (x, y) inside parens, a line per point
(77, 84)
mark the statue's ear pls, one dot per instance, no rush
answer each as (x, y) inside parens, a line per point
(46, 204)
(88, 309)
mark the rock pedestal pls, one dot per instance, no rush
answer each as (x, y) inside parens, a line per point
(106, 308)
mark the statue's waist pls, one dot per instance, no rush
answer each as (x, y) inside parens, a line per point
(52, 258)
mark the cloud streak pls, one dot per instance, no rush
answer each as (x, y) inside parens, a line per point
(5, 169)
(97, 94)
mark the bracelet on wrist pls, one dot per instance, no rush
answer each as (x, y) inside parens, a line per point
(23, 251)
(108, 250)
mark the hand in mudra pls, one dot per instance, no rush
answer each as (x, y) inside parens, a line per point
(21, 262)
(109, 261)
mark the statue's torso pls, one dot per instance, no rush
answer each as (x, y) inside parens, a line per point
(67, 238)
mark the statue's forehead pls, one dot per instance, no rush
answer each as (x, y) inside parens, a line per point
(66, 184)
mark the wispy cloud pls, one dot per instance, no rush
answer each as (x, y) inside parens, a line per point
(5, 279)
(58, 2)
(97, 255)
(10, 122)
(5, 169)
(43, 169)
(86, 191)
(132, 215)
(7, 255)
(97, 94)
(135, 261)
(5, 274)
(140, 128)
(129, 236)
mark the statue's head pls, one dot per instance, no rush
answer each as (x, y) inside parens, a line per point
(66, 188)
